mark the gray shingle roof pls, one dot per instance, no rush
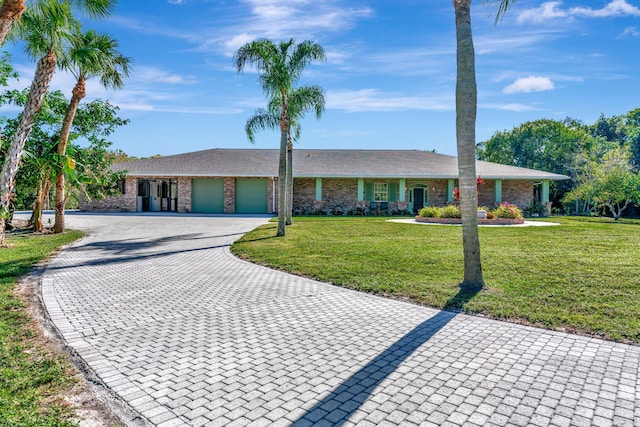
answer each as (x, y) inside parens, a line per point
(322, 164)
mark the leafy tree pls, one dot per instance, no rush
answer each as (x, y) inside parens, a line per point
(610, 183)
(90, 55)
(45, 27)
(301, 101)
(280, 67)
(86, 167)
(548, 145)
(466, 109)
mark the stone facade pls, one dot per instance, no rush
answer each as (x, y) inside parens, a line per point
(304, 196)
(126, 202)
(519, 193)
(338, 195)
(184, 194)
(229, 195)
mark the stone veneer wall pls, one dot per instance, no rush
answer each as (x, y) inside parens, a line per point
(519, 193)
(184, 194)
(272, 192)
(304, 195)
(339, 193)
(488, 194)
(229, 195)
(335, 193)
(126, 202)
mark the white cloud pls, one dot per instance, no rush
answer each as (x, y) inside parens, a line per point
(508, 107)
(155, 75)
(280, 20)
(630, 32)
(236, 41)
(374, 100)
(553, 10)
(529, 84)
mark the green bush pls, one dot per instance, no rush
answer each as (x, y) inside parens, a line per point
(451, 211)
(430, 212)
(507, 210)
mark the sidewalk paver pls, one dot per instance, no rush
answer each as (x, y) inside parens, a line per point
(188, 334)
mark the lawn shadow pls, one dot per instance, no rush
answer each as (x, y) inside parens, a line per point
(349, 396)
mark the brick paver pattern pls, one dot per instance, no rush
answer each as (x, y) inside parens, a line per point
(187, 334)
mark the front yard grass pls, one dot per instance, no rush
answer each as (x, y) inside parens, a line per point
(582, 276)
(30, 375)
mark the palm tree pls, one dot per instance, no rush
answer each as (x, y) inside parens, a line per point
(90, 55)
(45, 27)
(466, 107)
(301, 101)
(11, 10)
(281, 67)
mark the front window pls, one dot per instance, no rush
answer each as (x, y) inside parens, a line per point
(381, 192)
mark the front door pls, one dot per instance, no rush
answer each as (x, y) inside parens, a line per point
(418, 199)
(155, 190)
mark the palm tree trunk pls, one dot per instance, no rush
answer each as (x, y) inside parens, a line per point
(9, 13)
(466, 105)
(282, 182)
(289, 179)
(43, 193)
(76, 95)
(44, 72)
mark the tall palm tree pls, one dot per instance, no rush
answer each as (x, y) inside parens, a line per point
(11, 10)
(301, 101)
(45, 27)
(280, 67)
(466, 107)
(90, 55)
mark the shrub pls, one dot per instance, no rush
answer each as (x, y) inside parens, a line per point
(430, 212)
(451, 211)
(507, 210)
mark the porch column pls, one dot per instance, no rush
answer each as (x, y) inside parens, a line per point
(402, 190)
(451, 183)
(318, 189)
(498, 191)
(360, 189)
(545, 191)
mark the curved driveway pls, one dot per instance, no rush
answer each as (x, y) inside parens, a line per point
(187, 334)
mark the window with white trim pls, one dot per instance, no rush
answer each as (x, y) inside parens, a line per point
(380, 192)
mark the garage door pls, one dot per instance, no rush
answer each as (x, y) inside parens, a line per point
(207, 195)
(251, 195)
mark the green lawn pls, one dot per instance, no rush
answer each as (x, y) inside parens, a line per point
(30, 376)
(582, 276)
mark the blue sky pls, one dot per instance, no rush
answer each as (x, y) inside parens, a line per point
(389, 77)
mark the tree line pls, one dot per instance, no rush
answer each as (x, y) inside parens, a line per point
(601, 159)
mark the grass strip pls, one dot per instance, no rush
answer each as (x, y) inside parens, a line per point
(31, 377)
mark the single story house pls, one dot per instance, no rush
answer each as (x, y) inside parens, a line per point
(325, 181)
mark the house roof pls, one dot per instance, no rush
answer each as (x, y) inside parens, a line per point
(323, 164)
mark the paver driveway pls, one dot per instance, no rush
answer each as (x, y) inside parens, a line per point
(189, 335)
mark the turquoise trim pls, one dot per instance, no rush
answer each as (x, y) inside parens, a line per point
(318, 189)
(498, 191)
(360, 189)
(369, 192)
(545, 191)
(451, 185)
(402, 191)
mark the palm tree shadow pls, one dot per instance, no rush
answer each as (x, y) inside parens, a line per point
(344, 401)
